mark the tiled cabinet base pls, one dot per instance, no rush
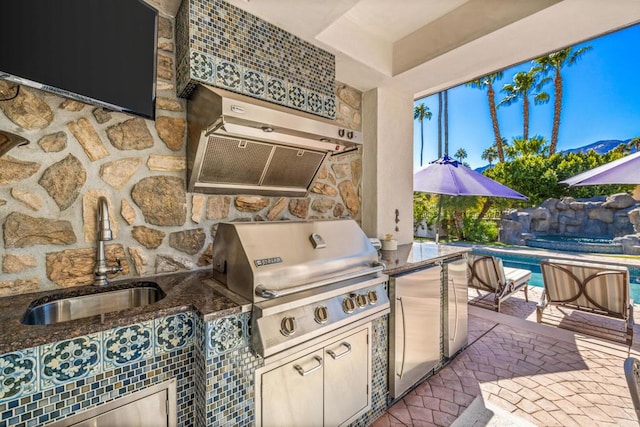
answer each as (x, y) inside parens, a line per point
(54, 381)
(211, 361)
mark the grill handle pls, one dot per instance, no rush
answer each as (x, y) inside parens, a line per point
(267, 293)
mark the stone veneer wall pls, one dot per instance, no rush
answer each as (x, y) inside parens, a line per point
(225, 46)
(49, 189)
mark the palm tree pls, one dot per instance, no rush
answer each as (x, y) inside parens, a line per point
(555, 62)
(439, 125)
(622, 148)
(524, 84)
(634, 143)
(421, 112)
(490, 154)
(487, 81)
(446, 123)
(461, 154)
(534, 146)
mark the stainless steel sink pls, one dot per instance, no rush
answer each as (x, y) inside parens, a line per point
(77, 307)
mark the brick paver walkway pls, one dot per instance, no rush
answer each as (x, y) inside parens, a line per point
(545, 375)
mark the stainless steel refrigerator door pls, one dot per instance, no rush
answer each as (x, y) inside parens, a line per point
(415, 327)
(456, 329)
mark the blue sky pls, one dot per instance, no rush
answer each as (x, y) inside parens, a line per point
(601, 101)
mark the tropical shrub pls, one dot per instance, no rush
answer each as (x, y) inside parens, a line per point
(538, 177)
(476, 230)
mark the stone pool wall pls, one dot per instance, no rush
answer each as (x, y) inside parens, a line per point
(616, 216)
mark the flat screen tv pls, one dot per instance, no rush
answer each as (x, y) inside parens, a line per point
(101, 52)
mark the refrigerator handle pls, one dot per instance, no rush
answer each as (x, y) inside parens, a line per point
(452, 285)
(404, 339)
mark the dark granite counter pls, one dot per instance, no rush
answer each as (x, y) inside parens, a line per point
(184, 292)
(415, 255)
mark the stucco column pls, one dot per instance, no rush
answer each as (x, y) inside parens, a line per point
(387, 125)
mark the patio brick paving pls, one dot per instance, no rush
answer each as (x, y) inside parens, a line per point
(540, 373)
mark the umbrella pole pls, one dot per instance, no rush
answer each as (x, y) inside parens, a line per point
(438, 219)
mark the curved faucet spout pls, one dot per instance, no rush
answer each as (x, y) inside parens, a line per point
(104, 226)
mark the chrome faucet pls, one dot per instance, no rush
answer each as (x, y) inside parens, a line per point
(104, 234)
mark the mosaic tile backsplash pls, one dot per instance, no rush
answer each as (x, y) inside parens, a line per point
(211, 361)
(224, 46)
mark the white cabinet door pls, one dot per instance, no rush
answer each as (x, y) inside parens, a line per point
(292, 393)
(346, 376)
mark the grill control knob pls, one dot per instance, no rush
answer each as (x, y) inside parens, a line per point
(373, 297)
(321, 314)
(361, 300)
(348, 305)
(288, 326)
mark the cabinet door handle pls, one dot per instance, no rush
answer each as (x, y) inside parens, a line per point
(452, 285)
(344, 353)
(404, 339)
(304, 373)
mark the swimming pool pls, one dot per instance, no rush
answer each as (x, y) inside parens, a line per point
(532, 263)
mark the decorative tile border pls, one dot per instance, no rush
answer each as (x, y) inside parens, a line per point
(128, 344)
(174, 332)
(227, 334)
(202, 66)
(297, 97)
(253, 83)
(18, 374)
(50, 365)
(69, 360)
(277, 90)
(228, 75)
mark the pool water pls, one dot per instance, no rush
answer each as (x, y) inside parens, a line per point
(532, 263)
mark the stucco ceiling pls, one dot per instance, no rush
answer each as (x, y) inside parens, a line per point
(424, 46)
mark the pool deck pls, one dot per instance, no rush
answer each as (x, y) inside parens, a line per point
(517, 372)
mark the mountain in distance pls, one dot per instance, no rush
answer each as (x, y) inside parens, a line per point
(599, 147)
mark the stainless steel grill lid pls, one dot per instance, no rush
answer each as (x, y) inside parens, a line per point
(270, 259)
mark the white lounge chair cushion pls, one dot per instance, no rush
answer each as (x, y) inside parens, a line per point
(517, 276)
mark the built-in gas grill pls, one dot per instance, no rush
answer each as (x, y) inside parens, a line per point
(305, 278)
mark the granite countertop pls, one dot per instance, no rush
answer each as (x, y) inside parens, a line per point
(195, 291)
(415, 255)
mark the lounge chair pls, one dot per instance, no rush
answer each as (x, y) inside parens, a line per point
(487, 273)
(594, 288)
(632, 373)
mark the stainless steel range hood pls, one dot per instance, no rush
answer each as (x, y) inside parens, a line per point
(241, 145)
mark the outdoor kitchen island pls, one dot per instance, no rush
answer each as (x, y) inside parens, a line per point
(195, 342)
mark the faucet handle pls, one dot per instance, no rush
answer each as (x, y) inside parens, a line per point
(118, 267)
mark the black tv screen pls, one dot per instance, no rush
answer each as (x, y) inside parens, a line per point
(101, 52)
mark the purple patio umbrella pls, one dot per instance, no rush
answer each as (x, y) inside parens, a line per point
(622, 171)
(450, 177)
